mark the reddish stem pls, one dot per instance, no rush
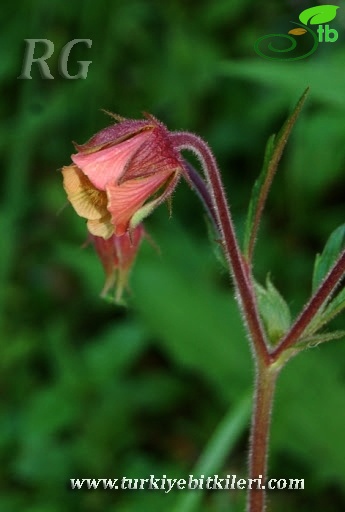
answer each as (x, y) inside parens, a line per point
(267, 362)
(259, 438)
(241, 272)
(323, 293)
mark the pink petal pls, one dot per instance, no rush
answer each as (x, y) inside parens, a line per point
(149, 206)
(127, 198)
(107, 165)
(116, 133)
(154, 155)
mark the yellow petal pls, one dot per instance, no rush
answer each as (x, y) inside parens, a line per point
(102, 227)
(87, 201)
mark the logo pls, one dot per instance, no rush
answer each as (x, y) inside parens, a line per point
(63, 59)
(320, 15)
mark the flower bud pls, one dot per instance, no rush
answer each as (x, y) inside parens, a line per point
(117, 255)
(121, 174)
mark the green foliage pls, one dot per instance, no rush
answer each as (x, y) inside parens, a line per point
(90, 390)
(181, 329)
(274, 311)
(323, 264)
(325, 261)
(215, 453)
(316, 339)
(304, 429)
(335, 307)
(274, 150)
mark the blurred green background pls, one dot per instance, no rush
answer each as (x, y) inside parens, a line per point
(91, 390)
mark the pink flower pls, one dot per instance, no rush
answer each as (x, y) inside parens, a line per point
(121, 174)
(117, 255)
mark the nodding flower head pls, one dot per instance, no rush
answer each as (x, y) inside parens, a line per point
(121, 174)
(117, 255)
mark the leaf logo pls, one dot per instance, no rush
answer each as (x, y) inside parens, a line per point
(297, 31)
(318, 15)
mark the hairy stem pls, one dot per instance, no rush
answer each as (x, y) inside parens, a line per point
(241, 272)
(200, 187)
(324, 292)
(261, 419)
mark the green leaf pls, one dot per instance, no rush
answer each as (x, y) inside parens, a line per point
(335, 306)
(323, 262)
(274, 311)
(326, 314)
(310, 396)
(316, 339)
(330, 311)
(254, 201)
(192, 319)
(274, 150)
(217, 450)
(318, 14)
(281, 82)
